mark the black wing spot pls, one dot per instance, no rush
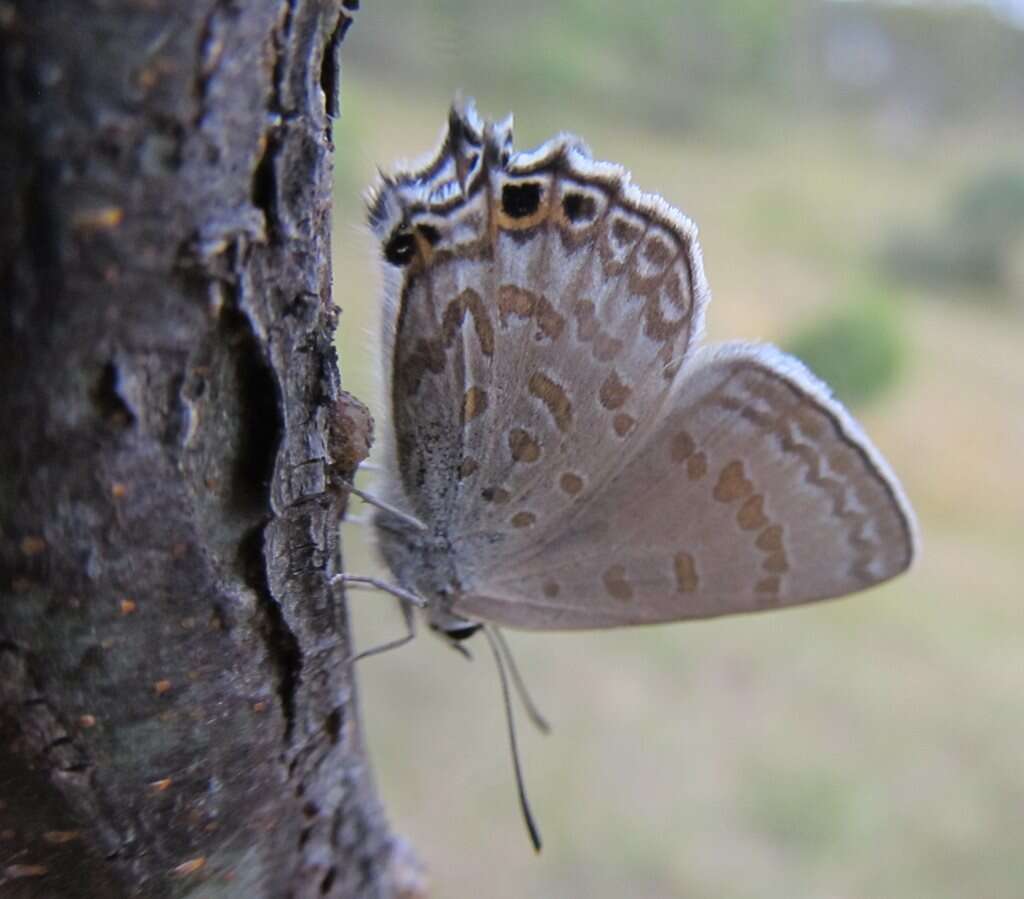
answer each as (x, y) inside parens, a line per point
(400, 249)
(579, 207)
(520, 200)
(430, 234)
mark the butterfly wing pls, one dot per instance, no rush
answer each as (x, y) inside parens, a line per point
(756, 490)
(527, 280)
(576, 461)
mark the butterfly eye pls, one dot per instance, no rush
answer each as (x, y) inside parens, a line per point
(400, 249)
(461, 632)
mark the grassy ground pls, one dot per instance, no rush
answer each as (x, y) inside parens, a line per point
(864, 748)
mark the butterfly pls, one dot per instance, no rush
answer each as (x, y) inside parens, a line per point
(562, 450)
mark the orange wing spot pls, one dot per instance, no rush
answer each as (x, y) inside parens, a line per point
(613, 393)
(571, 483)
(551, 589)
(101, 218)
(523, 519)
(431, 354)
(676, 285)
(681, 447)
(696, 466)
(616, 584)
(624, 233)
(522, 303)
(623, 424)
(189, 867)
(809, 419)
(32, 546)
(453, 321)
(732, 484)
(842, 462)
(523, 446)
(57, 837)
(657, 252)
(513, 300)
(770, 539)
(553, 396)
(523, 205)
(473, 403)
(497, 495)
(549, 322)
(686, 572)
(776, 563)
(604, 347)
(751, 515)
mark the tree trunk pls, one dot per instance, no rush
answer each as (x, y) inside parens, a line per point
(176, 714)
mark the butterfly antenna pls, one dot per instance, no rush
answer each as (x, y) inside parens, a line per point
(531, 825)
(539, 721)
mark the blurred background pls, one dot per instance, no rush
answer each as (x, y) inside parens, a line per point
(857, 173)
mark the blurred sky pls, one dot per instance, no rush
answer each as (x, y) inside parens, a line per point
(1012, 10)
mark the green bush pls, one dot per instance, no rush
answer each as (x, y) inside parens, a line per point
(859, 349)
(992, 205)
(945, 259)
(975, 244)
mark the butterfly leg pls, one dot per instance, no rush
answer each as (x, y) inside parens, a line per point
(387, 507)
(361, 520)
(373, 583)
(410, 633)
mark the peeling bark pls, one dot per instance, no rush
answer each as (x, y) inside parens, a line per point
(176, 714)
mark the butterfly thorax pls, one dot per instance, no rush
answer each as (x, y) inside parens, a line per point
(423, 563)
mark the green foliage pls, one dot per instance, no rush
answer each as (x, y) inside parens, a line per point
(944, 259)
(694, 63)
(858, 350)
(348, 130)
(973, 246)
(992, 205)
(805, 812)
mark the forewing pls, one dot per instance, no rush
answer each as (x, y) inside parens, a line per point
(754, 491)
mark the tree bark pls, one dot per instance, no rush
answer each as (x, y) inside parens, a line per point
(176, 712)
